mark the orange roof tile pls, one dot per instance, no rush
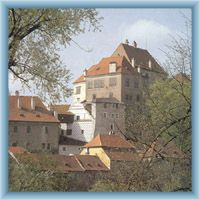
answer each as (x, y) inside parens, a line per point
(102, 67)
(91, 163)
(114, 141)
(25, 113)
(61, 109)
(17, 150)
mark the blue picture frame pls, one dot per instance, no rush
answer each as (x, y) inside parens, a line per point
(6, 4)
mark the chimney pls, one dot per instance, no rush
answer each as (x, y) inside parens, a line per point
(32, 103)
(85, 72)
(16, 93)
(134, 44)
(150, 64)
(126, 41)
(133, 62)
(139, 69)
(55, 114)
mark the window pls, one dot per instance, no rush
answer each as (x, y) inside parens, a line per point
(48, 146)
(82, 131)
(64, 148)
(15, 129)
(62, 132)
(78, 99)
(138, 98)
(117, 115)
(117, 105)
(77, 118)
(28, 129)
(90, 84)
(78, 90)
(94, 96)
(46, 130)
(136, 84)
(87, 151)
(110, 94)
(98, 83)
(130, 98)
(43, 145)
(14, 144)
(126, 96)
(111, 126)
(69, 131)
(112, 82)
(104, 115)
(127, 84)
(112, 115)
(105, 105)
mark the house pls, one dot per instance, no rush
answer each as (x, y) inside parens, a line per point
(69, 146)
(101, 115)
(111, 149)
(123, 75)
(65, 117)
(31, 125)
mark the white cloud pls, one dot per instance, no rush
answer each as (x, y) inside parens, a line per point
(147, 33)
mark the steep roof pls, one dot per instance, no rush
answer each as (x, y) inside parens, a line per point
(112, 141)
(63, 140)
(17, 150)
(61, 109)
(25, 113)
(141, 56)
(91, 163)
(102, 68)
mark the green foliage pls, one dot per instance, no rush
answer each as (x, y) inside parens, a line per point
(35, 38)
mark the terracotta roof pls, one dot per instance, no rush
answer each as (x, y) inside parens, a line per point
(141, 56)
(63, 140)
(91, 163)
(123, 156)
(17, 150)
(61, 109)
(102, 67)
(25, 113)
(113, 141)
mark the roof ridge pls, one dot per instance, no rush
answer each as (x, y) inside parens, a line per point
(79, 163)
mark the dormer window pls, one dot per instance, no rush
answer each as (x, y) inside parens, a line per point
(112, 67)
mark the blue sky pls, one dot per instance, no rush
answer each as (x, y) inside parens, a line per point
(150, 28)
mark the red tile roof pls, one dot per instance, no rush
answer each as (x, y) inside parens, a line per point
(113, 141)
(17, 150)
(102, 68)
(25, 113)
(61, 109)
(91, 163)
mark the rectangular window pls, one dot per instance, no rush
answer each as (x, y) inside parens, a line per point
(98, 83)
(43, 145)
(48, 146)
(136, 84)
(127, 83)
(94, 96)
(82, 131)
(64, 148)
(105, 105)
(69, 131)
(130, 98)
(104, 115)
(112, 82)
(46, 130)
(62, 132)
(78, 90)
(117, 105)
(28, 129)
(90, 85)
(117, 115)
(15, 129)
(138, 98)
(112, 115)
(77, 118)
(126, 96)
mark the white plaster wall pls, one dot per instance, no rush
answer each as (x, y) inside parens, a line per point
(70, 149)
(82, 95)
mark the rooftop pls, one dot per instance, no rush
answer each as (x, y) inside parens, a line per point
(112, 141)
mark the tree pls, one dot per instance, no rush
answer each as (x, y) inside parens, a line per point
(35, 37)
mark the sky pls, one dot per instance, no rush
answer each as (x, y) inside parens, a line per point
(150, 28)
